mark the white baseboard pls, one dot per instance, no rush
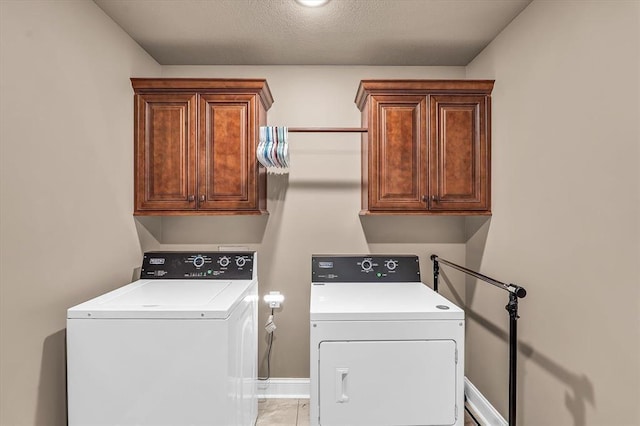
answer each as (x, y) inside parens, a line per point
(278, 387)
(482, 409)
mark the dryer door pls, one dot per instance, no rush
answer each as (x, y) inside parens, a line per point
(387, 382)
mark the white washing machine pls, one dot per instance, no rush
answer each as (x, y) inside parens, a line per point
(177, 347)
(385, 348)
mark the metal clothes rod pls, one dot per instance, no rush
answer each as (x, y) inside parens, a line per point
(511, 288)
(515, 292)
(328, 130)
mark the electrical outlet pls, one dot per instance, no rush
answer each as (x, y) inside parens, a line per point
(274, 299)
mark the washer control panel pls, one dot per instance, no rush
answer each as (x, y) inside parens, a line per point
(198, 265)
(365, 268)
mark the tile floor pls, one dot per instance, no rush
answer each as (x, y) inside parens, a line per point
(283, 412)
(295, 412)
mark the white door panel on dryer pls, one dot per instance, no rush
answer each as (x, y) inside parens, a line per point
(387, 383)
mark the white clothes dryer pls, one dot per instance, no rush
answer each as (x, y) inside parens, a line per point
(177, 347)
(385, 348)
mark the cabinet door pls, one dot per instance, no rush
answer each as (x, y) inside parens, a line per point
(226, 153)
(459, 157)
(397, 153)
(165, 144)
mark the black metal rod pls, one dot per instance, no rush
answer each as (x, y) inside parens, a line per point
(511, 288)
(513, 370)
(515, 292)
(512, 308)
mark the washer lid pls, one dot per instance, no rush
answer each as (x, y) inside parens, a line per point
(379, 301)
(166, 299)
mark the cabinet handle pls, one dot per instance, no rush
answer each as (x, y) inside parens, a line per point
(434, 198)
(202, 198)
(191, 197)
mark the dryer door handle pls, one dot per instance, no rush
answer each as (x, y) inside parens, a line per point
(341, 385)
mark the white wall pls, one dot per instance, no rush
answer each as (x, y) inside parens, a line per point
(565, 225)
(66, 187)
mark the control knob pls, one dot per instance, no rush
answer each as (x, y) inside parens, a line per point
(198, 261)
(223, 261)
(240, 261)
(391, 264)
(366, 265)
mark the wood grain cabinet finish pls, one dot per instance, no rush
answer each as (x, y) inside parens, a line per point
(195, 146)
(427, 149)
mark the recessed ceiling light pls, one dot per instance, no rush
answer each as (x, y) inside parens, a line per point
(312, 3)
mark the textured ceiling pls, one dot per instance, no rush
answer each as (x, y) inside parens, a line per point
(343, 32)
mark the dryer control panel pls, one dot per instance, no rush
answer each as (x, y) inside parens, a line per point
(365, 268)
(198, 265)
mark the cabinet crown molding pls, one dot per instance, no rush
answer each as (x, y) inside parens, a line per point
(420, 87)
(258, 86)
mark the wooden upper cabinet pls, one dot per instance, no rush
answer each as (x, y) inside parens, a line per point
(195, 146)
(427, 150)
